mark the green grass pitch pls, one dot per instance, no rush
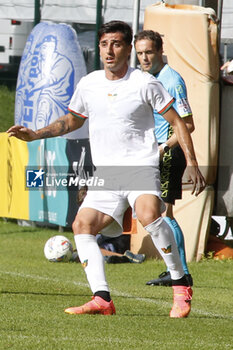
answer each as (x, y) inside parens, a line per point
(35, 292)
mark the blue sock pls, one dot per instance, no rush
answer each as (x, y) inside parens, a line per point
(179, 238)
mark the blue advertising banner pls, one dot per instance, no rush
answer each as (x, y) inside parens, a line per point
(52, 176)
(47, 203)
(51, 66)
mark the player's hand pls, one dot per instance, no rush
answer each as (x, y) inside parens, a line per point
(196, 178)
(228, 67)
(22, 133)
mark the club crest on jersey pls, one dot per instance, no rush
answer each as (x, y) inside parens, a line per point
(179, 89)
(167, 250)
(112, 97)
(85, 263)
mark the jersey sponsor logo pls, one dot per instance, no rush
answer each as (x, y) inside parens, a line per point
(183, 107)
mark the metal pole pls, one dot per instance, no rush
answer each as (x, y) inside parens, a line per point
(136, 11)
(98, 25)
(219, 16)
(36, 12)
(219, 12)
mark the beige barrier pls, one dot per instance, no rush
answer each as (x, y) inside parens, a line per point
(190, 46)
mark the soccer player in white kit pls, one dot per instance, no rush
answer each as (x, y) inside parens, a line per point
(119, 103)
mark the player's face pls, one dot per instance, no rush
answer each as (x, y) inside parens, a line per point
(149, 58)
(114, 52)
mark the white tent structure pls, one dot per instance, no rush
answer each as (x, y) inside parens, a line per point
(78, 11)
(84, 11)
(227, 22)
(17, 9)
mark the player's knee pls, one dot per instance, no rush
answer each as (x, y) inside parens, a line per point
(83, 226)
(147, 217)
(78, 226)
(75, 226)
(147, 209)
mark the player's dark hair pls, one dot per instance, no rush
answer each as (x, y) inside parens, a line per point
(150, 35)
(117, 26)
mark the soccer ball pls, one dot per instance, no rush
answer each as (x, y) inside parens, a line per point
(58, 248)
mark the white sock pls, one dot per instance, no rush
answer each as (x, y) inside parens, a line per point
(92, 260)
(163, 239)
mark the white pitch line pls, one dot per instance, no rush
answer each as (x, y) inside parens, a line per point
(35, 277)
(116, 292)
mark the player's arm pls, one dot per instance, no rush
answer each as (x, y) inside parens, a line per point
(181, 105)
(61, 126)
(173, 141)
(184, 138)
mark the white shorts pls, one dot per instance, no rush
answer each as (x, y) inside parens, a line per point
(115, 202)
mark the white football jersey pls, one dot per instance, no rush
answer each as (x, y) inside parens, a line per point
(120, 113)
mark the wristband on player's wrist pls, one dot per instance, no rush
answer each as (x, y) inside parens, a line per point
(165, 147)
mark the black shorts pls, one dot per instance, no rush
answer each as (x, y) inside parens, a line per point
(171, 171)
